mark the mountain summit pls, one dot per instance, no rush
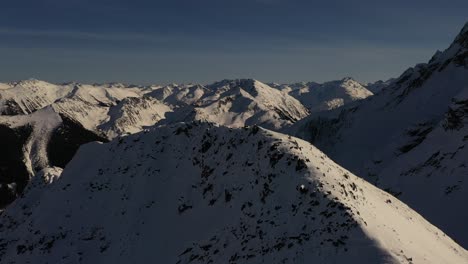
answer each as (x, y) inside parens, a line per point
(330, 95)
(236, 103)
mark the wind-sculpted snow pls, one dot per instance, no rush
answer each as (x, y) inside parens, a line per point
(198, 193)
(409, 138)
(26, 97)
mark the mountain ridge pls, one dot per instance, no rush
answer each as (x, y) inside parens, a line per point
(276, 199)
(410, 135)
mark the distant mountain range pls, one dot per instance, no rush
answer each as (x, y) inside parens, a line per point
(46, 123)
(327, 96)
(191, 173)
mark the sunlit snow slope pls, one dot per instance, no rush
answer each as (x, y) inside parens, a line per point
(198, 193)
(410, 138)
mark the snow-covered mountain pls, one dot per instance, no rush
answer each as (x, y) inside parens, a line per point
(38, 114)
(43, 124)
(198, 193)
(33, 142)
(132, 115)
(25, 97)
(180, 95)
(410, 138)
(195, 192)
(378, 86)
(293, 86)
(97, 107)
(327, 96)
(236, 103)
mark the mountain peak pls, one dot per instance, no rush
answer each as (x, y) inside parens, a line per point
(465, 28)
(234, 83)
(242, 81)
(28, 82)
(462, 37)
(348, 79)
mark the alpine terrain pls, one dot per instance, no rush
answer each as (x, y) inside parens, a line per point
(43, 124)
(199, 193)
(233, 171)
(410, 138)
(327, 96)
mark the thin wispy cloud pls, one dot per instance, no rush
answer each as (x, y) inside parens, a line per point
(86, 35)
(207, 40)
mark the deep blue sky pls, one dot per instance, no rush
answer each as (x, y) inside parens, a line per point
(159, 41)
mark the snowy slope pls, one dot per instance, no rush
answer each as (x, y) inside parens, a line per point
(33, 142)
(330, 95)
(439, 164)
(5, 86)
(87, 114)
(236, 103)
(106, 111)
(399, 139)
(27, 96)
(103, 95)
(24, 142)
(132, 114)
(180, 95)
(94, 106)
(379, 85)
(293, 86)
(197, 193)
(90, 105)
(43, 124)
